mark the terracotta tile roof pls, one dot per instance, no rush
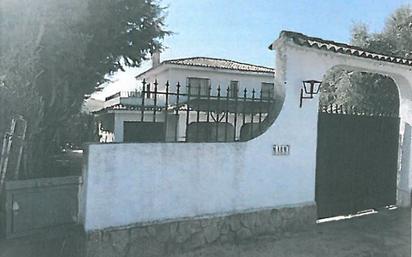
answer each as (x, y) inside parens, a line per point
(217, 63)
(214, 63)
(327, 45)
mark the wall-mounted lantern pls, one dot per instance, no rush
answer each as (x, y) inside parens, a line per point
(310, 88)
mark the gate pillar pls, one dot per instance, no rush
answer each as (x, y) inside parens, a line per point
(403, 191)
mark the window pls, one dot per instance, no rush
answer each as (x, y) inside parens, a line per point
(198, 86)
(268, 90)
(148, 90)
(234, 88)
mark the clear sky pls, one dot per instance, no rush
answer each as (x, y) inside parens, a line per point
(243, 29)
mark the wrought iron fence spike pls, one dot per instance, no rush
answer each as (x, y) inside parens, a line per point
(254, 108)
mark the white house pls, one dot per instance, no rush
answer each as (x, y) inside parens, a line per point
(202, 72)
(219, 82)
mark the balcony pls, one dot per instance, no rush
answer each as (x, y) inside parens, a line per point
(179, 116)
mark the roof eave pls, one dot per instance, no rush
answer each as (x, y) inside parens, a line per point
(208, 68)
(159, 67)
(301, 40)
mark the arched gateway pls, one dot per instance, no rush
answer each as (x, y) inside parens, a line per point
(358, 163)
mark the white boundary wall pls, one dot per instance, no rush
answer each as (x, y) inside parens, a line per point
(131, 183)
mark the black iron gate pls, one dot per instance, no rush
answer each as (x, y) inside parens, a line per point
(357, 157)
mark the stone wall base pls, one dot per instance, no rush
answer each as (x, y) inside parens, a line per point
(174, 237)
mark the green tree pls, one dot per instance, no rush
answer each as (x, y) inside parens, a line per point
(366, 90)
(53, 52)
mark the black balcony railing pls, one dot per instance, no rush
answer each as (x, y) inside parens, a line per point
(123, 94)
(116, 95)
(207, 115)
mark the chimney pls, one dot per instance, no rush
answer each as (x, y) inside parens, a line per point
(155, 58)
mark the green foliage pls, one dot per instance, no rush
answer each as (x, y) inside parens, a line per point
(82, 129)
(395, 38)
(366, 90)
(137, 29)
(53, 52)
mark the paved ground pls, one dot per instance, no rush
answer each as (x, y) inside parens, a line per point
(386, 234)
(53, 243)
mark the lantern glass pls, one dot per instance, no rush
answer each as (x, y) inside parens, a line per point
(311, 86)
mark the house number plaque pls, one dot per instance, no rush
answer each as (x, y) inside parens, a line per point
(281, 149)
